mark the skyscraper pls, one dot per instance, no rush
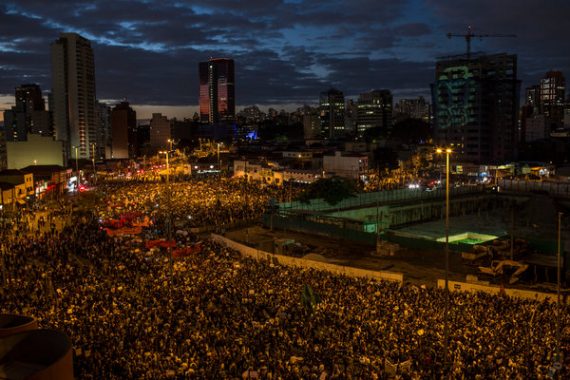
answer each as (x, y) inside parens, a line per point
(374, 111)
(123, 130)
(73, 81)
(28, 115)
(552, 98)
(475, 106)
(103, 147)
(331, 106)
(217, 90)
(159, 132)
(415, 108)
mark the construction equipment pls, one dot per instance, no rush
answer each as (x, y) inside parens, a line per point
(497, 268)
(469, 35)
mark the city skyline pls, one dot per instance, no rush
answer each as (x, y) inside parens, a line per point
(286, 52)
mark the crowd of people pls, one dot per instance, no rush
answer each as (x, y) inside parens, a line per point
(198, 203)
(131, 314)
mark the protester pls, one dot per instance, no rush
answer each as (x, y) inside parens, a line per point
(217, 315)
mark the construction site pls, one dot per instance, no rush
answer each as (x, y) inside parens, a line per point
(500, 238)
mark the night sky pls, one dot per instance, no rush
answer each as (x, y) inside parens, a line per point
(286, 51)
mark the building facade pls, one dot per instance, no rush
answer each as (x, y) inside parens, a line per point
(331, 107)
(217, 90)
(103, 145)
(311, 125)
(374, 111)
(73, 91)
(414, 108)
(28, 115)
(37, 150)
(476, 106)
(552, 98)
(3, 154)
(123, 127)
(159, 132)
(347, 165)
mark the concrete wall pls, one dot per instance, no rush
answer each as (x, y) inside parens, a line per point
(303, 263)
(517, 293)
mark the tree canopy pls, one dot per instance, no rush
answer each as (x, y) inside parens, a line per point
(332, 190)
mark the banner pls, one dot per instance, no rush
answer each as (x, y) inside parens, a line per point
(187, 251)
(160, 244)
(123, 231)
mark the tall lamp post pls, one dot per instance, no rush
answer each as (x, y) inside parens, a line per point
(447, 152)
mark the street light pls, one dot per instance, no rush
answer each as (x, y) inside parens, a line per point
(447, 152)
(165, 152)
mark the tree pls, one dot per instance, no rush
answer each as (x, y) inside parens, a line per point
(386, 158)
(411, 131)
(332, 190)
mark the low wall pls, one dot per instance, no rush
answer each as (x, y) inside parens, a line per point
(304, 263)
(517, 293)
(13, 324)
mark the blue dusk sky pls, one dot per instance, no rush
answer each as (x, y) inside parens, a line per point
(285, 51)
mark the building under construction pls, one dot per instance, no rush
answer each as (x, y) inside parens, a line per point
(476, 98)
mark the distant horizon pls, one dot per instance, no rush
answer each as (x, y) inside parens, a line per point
(181, 111)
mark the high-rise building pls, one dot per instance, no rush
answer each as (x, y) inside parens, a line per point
(159, 131)
(29, 98)
(28, 115)
(3, 154)
(217, 90)
(532, 98)
(123, 129)
(350, 117)
(103, 148)
(414, 108)
(331, 107)
(311, 122)
(529, 111)
(374, 111)
(475, 103)
(73, 81)
(552, 98)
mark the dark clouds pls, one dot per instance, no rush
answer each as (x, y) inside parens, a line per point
(286, 51)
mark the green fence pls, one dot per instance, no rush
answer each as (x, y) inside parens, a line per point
(379, 197)
(348, 232)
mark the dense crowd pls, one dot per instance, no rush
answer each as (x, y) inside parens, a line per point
(198, 203)
(219, 315)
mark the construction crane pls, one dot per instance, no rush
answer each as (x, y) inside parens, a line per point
(469, 35)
